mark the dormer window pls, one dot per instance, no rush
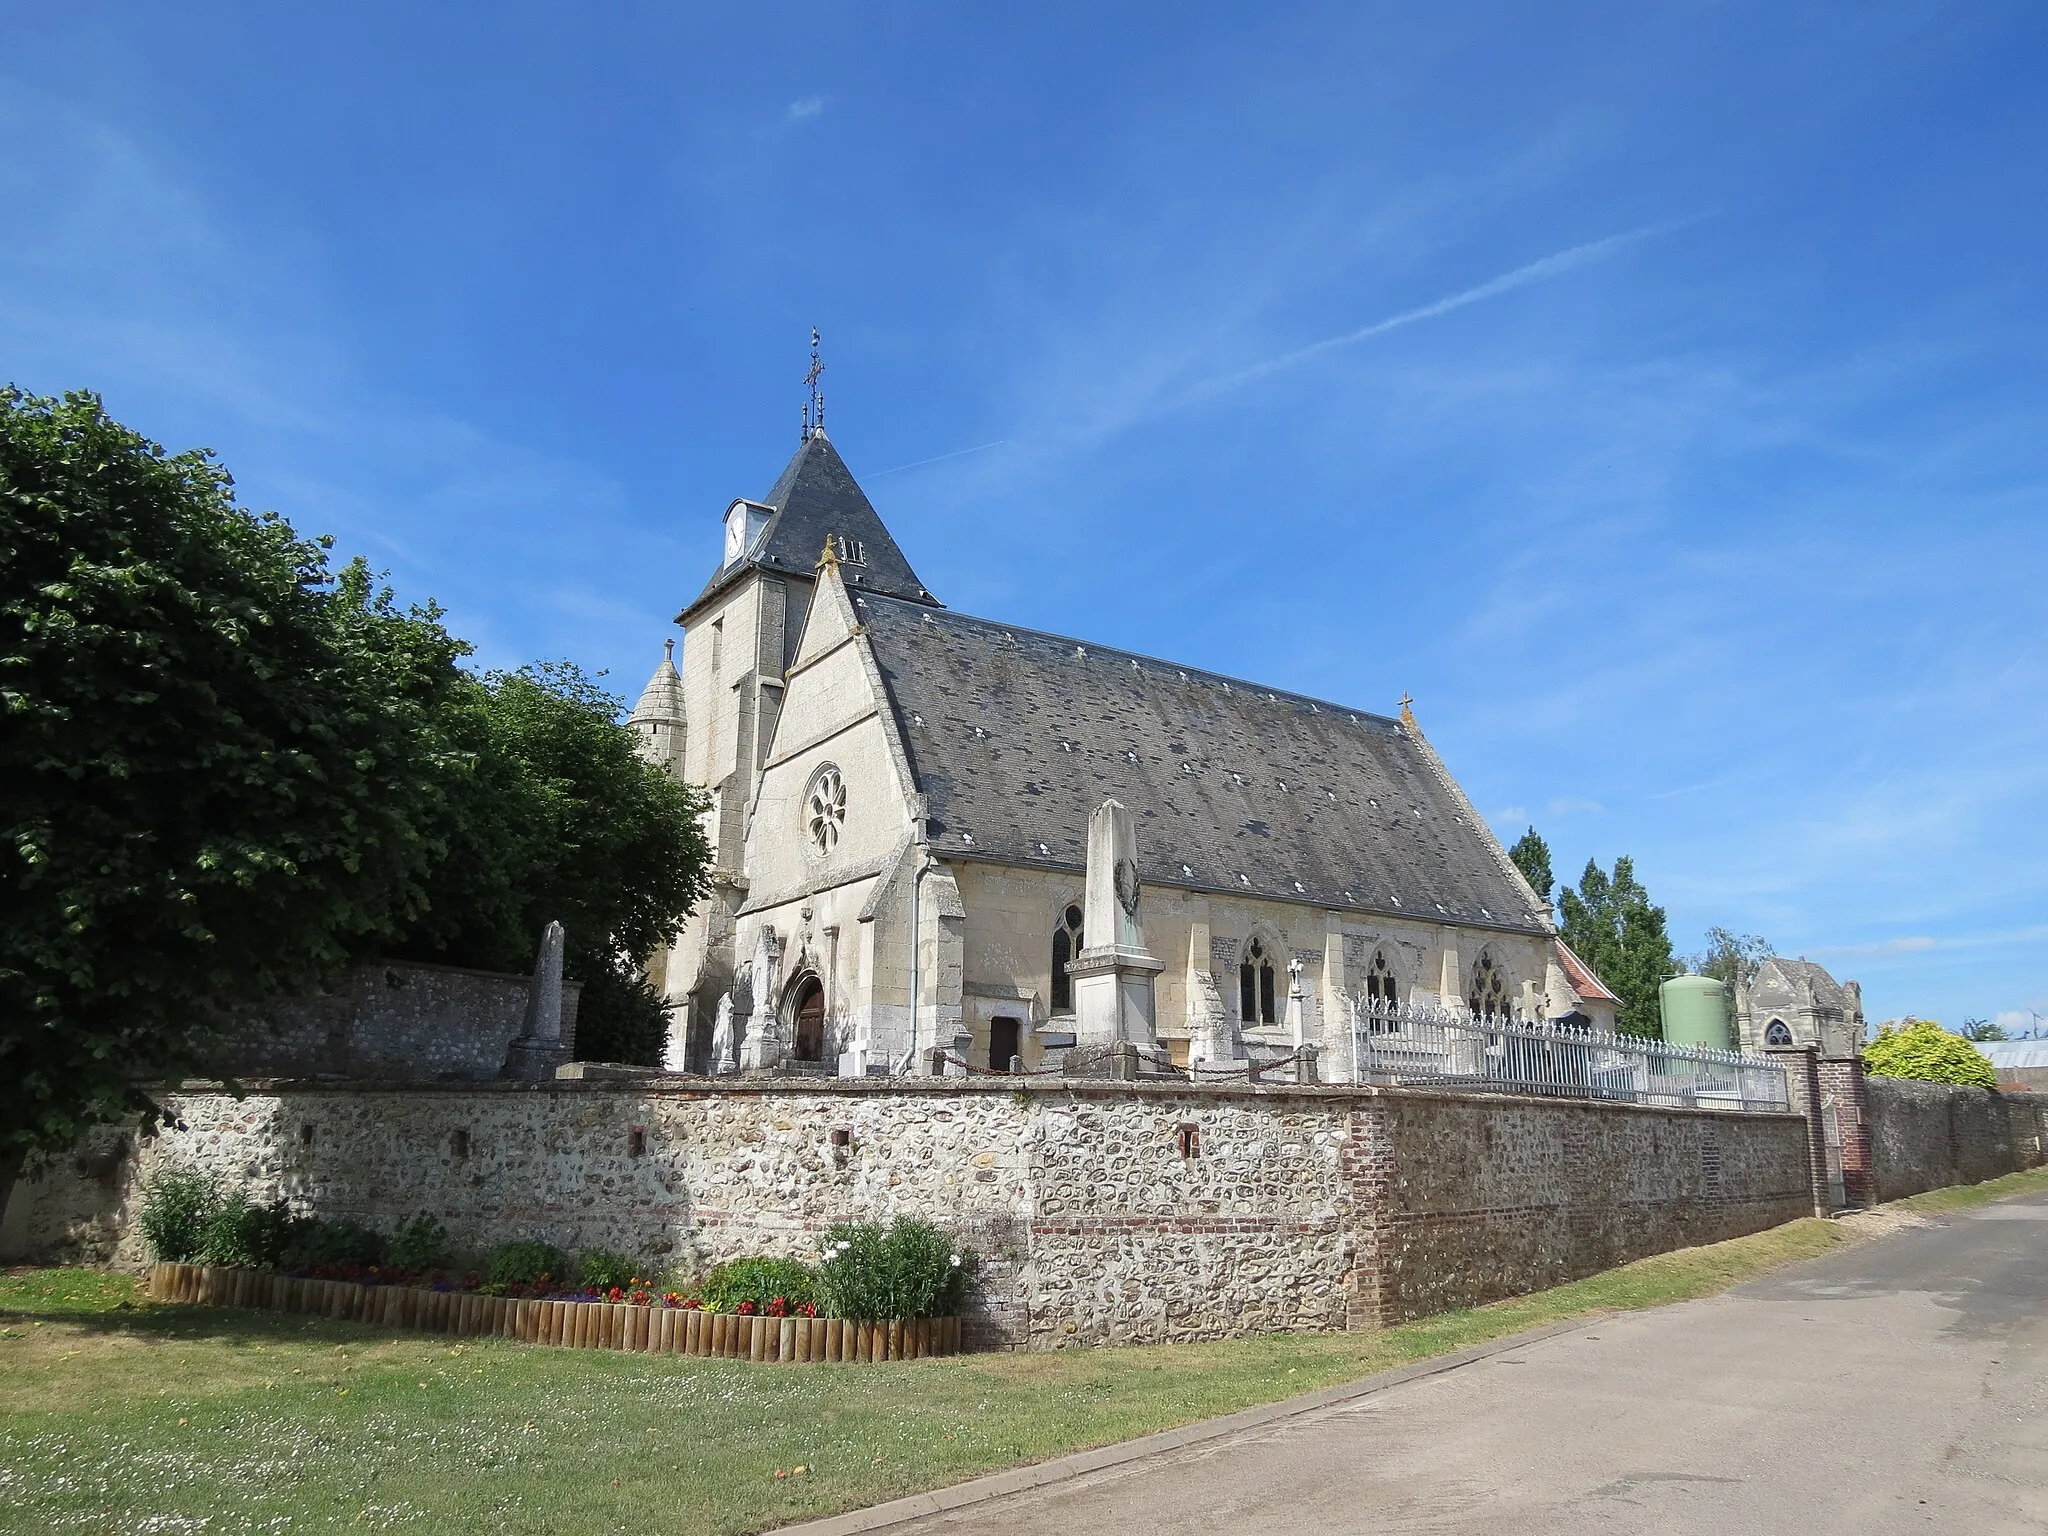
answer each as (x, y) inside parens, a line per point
(744, 521)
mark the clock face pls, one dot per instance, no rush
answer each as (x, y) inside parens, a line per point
(735, 532)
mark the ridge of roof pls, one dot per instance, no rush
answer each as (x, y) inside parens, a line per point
(816, 497)
(1187, 672)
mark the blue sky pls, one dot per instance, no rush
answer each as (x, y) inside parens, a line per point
(1657, 392)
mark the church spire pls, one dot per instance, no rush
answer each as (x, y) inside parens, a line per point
(814, 407)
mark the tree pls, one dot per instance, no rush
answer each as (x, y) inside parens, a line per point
(219, 774)
(1614, 928)
(1983, 1029)
(227, 773)
(566, 822)
(1532, 857)
(1923, 1049)
(1731, 957)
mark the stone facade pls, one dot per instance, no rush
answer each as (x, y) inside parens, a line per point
(1103, 1213)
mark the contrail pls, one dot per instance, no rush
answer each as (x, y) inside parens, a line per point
(1535, 272)
(938, 458)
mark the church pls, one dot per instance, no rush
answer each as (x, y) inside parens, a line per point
(901, 798)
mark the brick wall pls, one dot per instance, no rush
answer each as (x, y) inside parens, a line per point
(1102, 1212)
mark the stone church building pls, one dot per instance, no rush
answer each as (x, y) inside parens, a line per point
(900, 804)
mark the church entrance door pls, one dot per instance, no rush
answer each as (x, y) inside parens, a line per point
(810, 1021)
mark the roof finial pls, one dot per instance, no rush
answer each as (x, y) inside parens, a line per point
(1408, 710)
(814, 408)
(829, 555)
(668, 651)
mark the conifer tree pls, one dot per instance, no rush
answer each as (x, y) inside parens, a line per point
(1610, 921)
(1532, 857)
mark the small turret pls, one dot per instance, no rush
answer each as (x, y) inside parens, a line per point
(658, 718)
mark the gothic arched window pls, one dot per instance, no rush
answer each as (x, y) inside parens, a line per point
(1381, 998)
(1255, 985)
(1487, 997)
(1066, 943)
(1777, 1033)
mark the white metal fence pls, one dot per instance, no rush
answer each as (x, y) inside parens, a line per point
(1419, 1045)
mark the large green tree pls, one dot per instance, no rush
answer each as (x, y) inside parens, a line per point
(566, 822)
(1612, 924)
(227, 772)
(219, 773)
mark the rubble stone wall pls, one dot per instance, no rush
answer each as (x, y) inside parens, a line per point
(1102, 1212)
(1930, 1135)
(397, 1020)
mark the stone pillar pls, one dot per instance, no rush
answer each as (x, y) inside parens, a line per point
(1802, 1082)
(1113, 974)
(1450, 981)
(1212, 1028)
(540, 1048)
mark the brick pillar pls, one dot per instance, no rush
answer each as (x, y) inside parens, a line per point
(1842, 1088)
(1802, 1081)
(1367, 1165)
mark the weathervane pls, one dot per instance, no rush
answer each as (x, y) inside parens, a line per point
(814, 408)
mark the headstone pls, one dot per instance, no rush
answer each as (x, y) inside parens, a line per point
(1113, 975)
(539, 1048)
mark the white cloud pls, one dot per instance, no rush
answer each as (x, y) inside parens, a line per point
(807, 107)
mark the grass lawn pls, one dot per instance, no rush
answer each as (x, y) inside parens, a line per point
(120, 1416)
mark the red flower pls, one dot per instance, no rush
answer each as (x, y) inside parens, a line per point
(746, 1309)
(808, 1309)
(693, 1305)
(615, 1294)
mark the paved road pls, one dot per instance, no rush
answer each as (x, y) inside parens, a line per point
(1900, 1385)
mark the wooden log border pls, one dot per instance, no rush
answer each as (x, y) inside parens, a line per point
(565, 1324)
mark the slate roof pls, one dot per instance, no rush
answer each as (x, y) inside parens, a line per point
(1790, 975)
(2012, 1055)
(816, 495)
(1015, 737)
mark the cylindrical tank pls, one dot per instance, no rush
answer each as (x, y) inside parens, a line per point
(1695, 1010)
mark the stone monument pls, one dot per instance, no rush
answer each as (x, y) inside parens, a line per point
(1113, 974)
(723, 1058)
(539, 1048)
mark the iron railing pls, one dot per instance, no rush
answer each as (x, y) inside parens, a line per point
(1417, 1045)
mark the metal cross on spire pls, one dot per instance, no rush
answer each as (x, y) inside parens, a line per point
(814, 408)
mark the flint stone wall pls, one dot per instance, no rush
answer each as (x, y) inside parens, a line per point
(1931, 1135)
(1303, 1208)
(397, 1021)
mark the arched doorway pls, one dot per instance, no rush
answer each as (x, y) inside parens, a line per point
(809, 1013)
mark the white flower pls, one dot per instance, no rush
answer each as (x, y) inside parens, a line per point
(954, 1261)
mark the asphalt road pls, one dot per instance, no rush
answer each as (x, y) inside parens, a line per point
(1898, 1385)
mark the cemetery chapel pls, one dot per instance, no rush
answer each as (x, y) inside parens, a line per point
(901, 799)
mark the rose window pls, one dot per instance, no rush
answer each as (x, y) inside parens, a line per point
(825, 809)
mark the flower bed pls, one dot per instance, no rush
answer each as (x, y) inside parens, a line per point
(599, 1324)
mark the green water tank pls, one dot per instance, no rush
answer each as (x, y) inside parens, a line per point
(1695, 1010)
